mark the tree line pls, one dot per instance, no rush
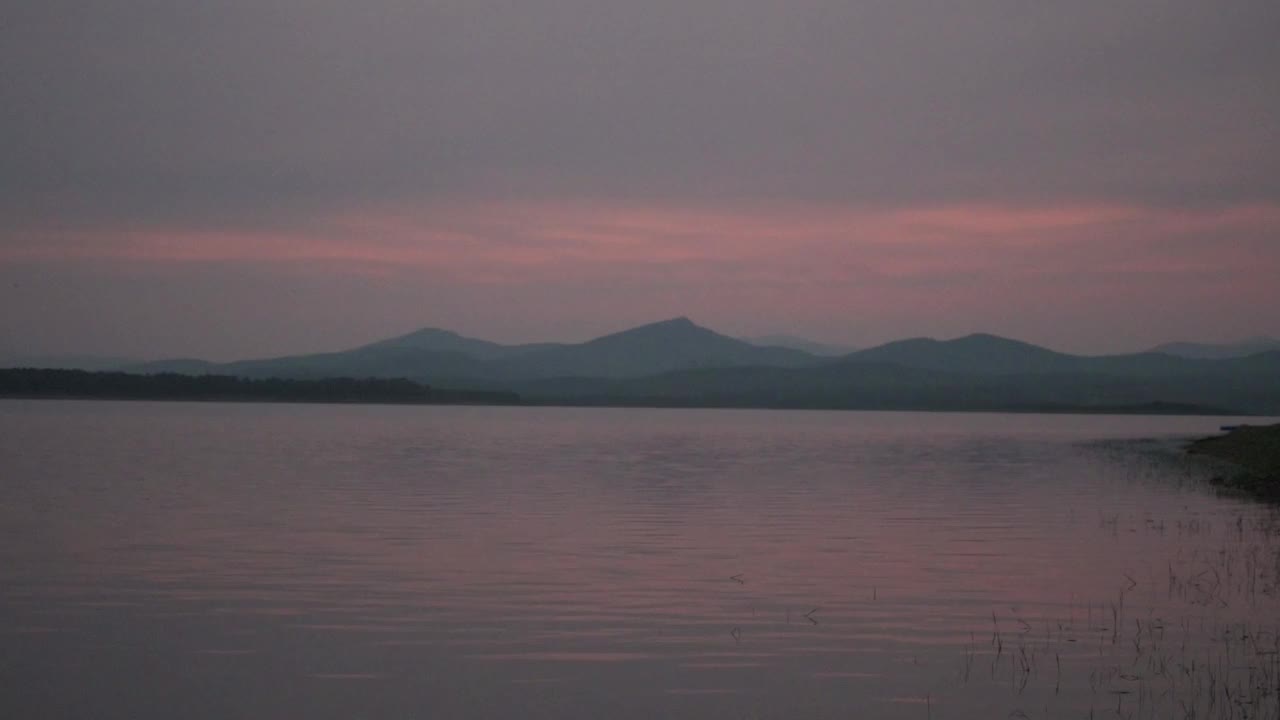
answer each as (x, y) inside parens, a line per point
(52, 383)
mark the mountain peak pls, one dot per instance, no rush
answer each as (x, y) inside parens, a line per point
(419, 337)
(667, 345)
(434, 339)
(431, 332)
(678, 325)
(982, 338)
(676, 322)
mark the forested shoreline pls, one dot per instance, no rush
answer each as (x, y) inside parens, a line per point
(50, 383)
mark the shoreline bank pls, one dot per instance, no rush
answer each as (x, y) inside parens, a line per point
(1253, 456)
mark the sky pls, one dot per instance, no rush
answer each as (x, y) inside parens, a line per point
(257, 177)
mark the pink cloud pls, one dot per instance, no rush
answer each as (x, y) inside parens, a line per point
(941, 269)
(564, 236)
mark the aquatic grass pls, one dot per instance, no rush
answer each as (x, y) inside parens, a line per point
(1197, 636)
(1216, 658)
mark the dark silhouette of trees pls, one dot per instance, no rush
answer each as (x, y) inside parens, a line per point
(47, 383)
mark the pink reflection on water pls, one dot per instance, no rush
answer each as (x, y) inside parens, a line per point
(867, 547)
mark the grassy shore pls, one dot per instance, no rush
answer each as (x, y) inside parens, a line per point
(1254, 454)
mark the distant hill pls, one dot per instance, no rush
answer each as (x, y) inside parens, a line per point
(802, 344)
(435, 339)
(983, 354)
(979, 354)
(1210, 351)
(647, 350)
(370, 361)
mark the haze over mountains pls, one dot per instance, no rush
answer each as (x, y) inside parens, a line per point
(676, 362)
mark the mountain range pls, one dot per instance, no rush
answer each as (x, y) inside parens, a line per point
(679, 363)
(441, 356)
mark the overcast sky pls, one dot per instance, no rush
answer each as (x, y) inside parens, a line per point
(235, 178)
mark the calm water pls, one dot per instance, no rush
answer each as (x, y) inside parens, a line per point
(284, 561)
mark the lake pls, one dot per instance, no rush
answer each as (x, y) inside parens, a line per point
(163, 560)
